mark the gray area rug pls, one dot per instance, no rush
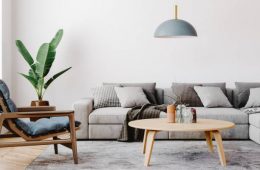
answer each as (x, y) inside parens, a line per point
(180, 155)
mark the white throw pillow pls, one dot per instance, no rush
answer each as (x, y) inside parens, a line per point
(212, 96)
(131, 96)
(254, 98)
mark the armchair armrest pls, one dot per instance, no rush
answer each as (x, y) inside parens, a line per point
(82, 109)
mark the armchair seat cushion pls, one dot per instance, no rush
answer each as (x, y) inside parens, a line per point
(45, 126)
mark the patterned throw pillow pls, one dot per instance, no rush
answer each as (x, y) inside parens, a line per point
(149, 89)
(105, 97)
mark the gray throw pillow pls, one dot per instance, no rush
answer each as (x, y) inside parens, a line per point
(189, 96)
(241, 93)
(148, 88)
(212, 96)
(105, 97)
(254, 98)
(131, 96)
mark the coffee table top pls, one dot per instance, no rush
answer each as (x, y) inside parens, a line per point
(161, 124)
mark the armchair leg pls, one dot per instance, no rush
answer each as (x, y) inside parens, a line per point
(55, 145)
(73, 138)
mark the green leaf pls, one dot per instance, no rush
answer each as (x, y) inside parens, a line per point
(56, 40)
(31, 80)
(26, 55)
(54, 77)
(50, 59)
(42, 58)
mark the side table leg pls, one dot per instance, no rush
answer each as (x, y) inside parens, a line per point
(208, 136)
(149, 146)
(221, 152)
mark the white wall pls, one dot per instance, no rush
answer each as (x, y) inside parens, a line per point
(1, 39)
(7, 41)
(112, 41)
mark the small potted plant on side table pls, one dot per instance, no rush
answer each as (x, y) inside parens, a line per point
(40, 67)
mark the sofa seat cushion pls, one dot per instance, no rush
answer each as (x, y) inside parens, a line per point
(111, 115)
(229, 114)
(254, 119)
(108, 115)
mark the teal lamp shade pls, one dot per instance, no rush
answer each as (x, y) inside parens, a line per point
(174, 28)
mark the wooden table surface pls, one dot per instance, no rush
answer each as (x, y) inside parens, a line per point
(161, 124)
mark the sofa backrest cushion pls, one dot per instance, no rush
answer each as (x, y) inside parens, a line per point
(242, 91)
(167, 95)
(5, 95)
(159, 94)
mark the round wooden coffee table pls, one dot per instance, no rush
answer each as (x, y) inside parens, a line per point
(209, 126)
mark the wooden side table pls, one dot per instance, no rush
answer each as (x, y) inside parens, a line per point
(36, 109)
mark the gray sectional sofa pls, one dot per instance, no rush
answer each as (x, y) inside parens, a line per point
(106, 123)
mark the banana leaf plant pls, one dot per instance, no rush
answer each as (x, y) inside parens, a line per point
(40, 67)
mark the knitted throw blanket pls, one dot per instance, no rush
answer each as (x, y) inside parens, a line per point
(146, 111)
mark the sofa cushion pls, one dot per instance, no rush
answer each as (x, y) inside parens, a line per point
(241, 93)
(212, 96)
(149, 89)
(105, 97)
(111, 115)
(131, 96)
(254, 119)
(185, 93)
(229, 114)
(253, 100)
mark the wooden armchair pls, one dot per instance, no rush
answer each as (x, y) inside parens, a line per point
(8, 119)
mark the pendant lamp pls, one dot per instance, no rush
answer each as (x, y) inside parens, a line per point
(175, 28)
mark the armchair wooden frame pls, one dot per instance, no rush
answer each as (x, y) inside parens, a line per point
(6, 120)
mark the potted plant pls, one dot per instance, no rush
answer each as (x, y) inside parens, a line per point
(40, 67)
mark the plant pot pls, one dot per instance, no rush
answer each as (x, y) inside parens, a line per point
(171, 113)
(40, 103)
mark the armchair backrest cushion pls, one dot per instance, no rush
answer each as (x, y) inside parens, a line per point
(5, 95)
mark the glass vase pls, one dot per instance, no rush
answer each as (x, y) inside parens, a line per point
(179, 113)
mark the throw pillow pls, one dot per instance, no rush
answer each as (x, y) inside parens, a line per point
(212, 97)
(105, 97)
(131, 96)
(241, 93)
(254, 98)
(148, 88)
(189, 96)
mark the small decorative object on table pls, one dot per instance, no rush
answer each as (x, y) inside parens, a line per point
(171, 113)
(180, 109)
(179, 113)
(194, 115)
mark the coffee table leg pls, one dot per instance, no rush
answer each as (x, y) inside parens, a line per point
(208, 136)
(145, 140)
(149, 146)
(221, 152)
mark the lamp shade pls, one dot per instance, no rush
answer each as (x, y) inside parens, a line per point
(174, 28)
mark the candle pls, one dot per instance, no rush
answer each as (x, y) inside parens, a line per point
(171, 113)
